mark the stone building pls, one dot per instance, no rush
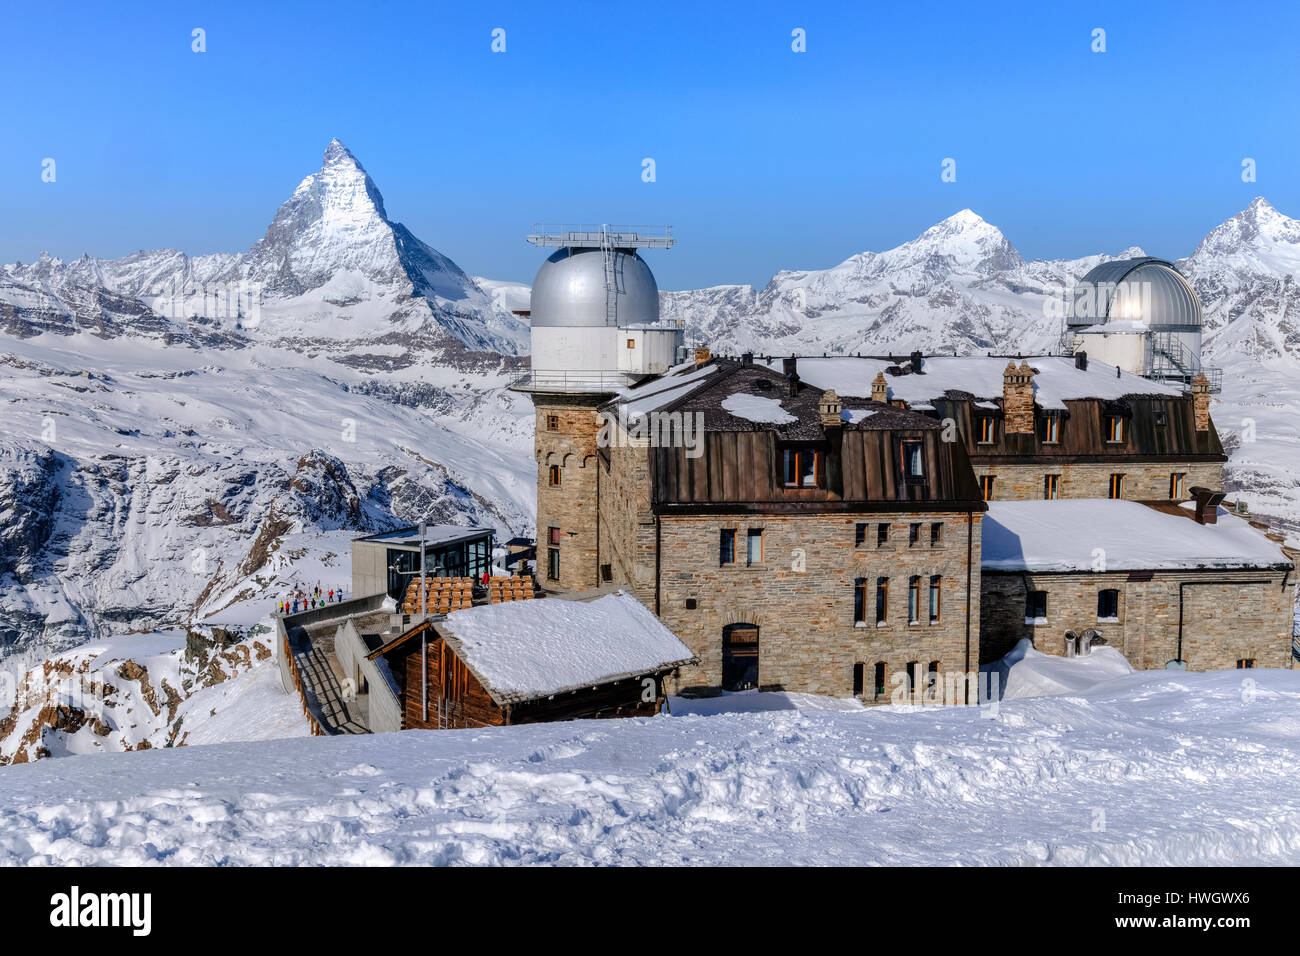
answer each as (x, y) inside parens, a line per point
(1192, 583)
(793, 540)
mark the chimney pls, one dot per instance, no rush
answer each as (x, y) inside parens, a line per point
(915, 358)
(1018, 399)
(747, 358)
(1207, 505)
(1201, 402)
(880, 389)
(702, 356)
(790, 367)
(830, 407)
(1081, 360)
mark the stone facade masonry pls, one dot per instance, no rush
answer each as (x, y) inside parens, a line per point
(565, 437)
(1226, 615)
(1143, 481)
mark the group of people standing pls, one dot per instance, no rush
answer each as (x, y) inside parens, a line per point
(306, 600)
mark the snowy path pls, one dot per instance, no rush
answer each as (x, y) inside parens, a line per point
(1148, 769)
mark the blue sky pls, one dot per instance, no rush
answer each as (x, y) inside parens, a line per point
(765, 158)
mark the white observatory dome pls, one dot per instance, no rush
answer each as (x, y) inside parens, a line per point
(1146, 290)
(569, 291)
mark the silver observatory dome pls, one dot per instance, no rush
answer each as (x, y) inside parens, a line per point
(569, 290)
(1145, 289)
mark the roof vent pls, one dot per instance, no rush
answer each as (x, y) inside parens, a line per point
(1081, 360)
(1207, 505)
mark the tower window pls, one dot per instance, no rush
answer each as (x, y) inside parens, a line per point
(631, 343)
(553, 476)
(554, 535)
(552, 422)
(553, 564)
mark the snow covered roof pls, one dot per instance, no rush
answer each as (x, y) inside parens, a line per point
(1056, 379)
(654, 395)
(1047, 536)
(434, 535)
(522, 650)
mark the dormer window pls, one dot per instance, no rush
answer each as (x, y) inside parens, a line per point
(1114, 428)
(802, 467)
(988, 429)
(911, 458)
(1049, 429)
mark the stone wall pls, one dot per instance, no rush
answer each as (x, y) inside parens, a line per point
(570, 506)
(1222, 622)
(801, 597)
(1143, 481)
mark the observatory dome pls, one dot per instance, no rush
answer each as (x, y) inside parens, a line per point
(569, 290)
(1146, 290)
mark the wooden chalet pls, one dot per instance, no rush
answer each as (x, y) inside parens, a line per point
(533, 661)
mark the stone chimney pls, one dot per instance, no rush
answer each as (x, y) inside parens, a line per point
(830, 407)
(1201, 402)
(1207, 505)
(702, 356)
(1018, 399)
(880, 389)
(790, 367)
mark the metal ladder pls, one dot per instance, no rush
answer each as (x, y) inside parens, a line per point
(611, 279)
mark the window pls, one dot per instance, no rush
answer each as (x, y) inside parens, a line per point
(1108, 605)
(553, 534)
(860, 535)
(1114, 428)
(553, 476)
(880, 678)
(553, 564)
(986, 487)
(727, 546)
(859, 679)
(801, 468)
(1246, 663)
(1161, 417)
(1049, 429)
(552, 422)
(932, 677)
(1051, 487)
(936, 587)
(882, 601)
(914, 599)
(988, 429)
(911, 677)
(631, 343)
(914, 534)
(1178, 486)
(936, 534)
(1117, 486)
(1036, 607)
(607, 574)
(859, 600)
(911, 456)
(754, 546)
(882, 535)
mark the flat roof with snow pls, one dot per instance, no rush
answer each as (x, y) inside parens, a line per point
(522, 650)
(435, 535)
(1047, 536)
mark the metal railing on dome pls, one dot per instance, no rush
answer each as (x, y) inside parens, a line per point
(598, 235)
(574, 382)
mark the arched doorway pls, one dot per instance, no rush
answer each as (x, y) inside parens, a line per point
(739, 656)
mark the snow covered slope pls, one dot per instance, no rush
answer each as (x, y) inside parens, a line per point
(1152, 768)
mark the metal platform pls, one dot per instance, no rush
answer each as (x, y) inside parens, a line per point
(601, 236)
